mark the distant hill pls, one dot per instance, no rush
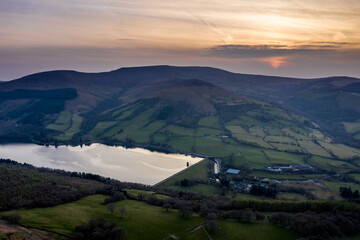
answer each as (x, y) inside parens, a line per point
(182, 108)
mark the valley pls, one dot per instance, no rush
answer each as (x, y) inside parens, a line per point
(279, 140)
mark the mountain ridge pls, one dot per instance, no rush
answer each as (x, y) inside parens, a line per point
(205, 90)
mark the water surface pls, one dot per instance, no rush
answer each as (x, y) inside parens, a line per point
(131, 165)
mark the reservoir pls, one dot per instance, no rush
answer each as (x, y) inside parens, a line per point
(130, 165)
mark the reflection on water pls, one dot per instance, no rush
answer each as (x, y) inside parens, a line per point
(132, 165)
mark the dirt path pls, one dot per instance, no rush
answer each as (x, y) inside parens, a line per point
(19, 230)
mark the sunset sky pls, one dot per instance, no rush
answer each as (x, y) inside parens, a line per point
(298, 38)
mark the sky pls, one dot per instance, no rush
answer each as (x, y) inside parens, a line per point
(295, 38)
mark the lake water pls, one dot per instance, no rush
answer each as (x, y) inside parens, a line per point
(131, 165)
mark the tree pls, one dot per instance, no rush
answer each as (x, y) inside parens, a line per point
(111, 207)
(122, 211)
(185, 211)
(166, 206)
(118, 233)
(211, 221)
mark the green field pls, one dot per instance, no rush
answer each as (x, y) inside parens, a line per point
(258, 141)
(181, 131)
(283, 157)
(208, 132)
(237, 130)
(74, 127)
(291, 196)
(356, 176)
(336, 185)
(295, 135)
(340, 150)
(331, 164)
(288, 147)
(211, 122)
(143, 221)
(198, 170)
(352, 127)
(62, 123)
(314, 148)
(182, 143)
(100, 128)
(280, 139)
(200, 188)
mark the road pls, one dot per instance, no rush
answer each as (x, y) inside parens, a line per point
(19, 230)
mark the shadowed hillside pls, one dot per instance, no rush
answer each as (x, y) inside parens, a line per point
(183, 108)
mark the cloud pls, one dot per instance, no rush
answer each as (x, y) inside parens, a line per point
(263, 51)
(226, 38)
(338, 36)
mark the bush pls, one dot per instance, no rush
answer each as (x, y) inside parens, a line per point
(12, 218)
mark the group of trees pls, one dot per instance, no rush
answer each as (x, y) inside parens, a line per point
(112, 208)
(321, 225)
(348, 194)
(99, 229)
(267, 191)
(26, 186)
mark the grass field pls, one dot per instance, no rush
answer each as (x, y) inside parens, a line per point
(280, 139)
(295, 135)
(143, 221)
(181, 131)
(100, 128)
(313, 148)
(352, 127)
(287, 147)
(291, 196)
(199, 188)
(237, 130)
(356, 176)
(283, 157)
(340, 150)
(252, 140)
(62, 123)
(198, 170)
(211, 122)
(208, 132)
(146, 194)
(331, 164)
(182, 143)
(251, 157)
(279, 176)
(75, 124)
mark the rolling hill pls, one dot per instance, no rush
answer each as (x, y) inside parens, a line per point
(188, 109)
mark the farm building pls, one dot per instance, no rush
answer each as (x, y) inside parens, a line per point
(233, 171)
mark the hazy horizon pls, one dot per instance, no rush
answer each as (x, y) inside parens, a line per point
(109, 70)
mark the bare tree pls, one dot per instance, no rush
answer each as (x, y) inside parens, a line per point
(111, 207)
(122, 211)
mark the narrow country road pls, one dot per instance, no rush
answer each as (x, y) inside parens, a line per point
(19, 230)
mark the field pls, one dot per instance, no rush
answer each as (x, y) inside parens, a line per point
(314, 148)
(142, 221)
(62, 123)
(331, 164)
(198, 170)
(352, 127)
(291, 196)
(68, 124)
(283, 157)
(341, 151)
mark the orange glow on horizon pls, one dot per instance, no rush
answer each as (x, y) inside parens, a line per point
(275, 62)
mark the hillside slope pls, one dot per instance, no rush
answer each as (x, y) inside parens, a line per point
(190, 109)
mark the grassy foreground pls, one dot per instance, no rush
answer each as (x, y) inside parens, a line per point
(143, 221)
